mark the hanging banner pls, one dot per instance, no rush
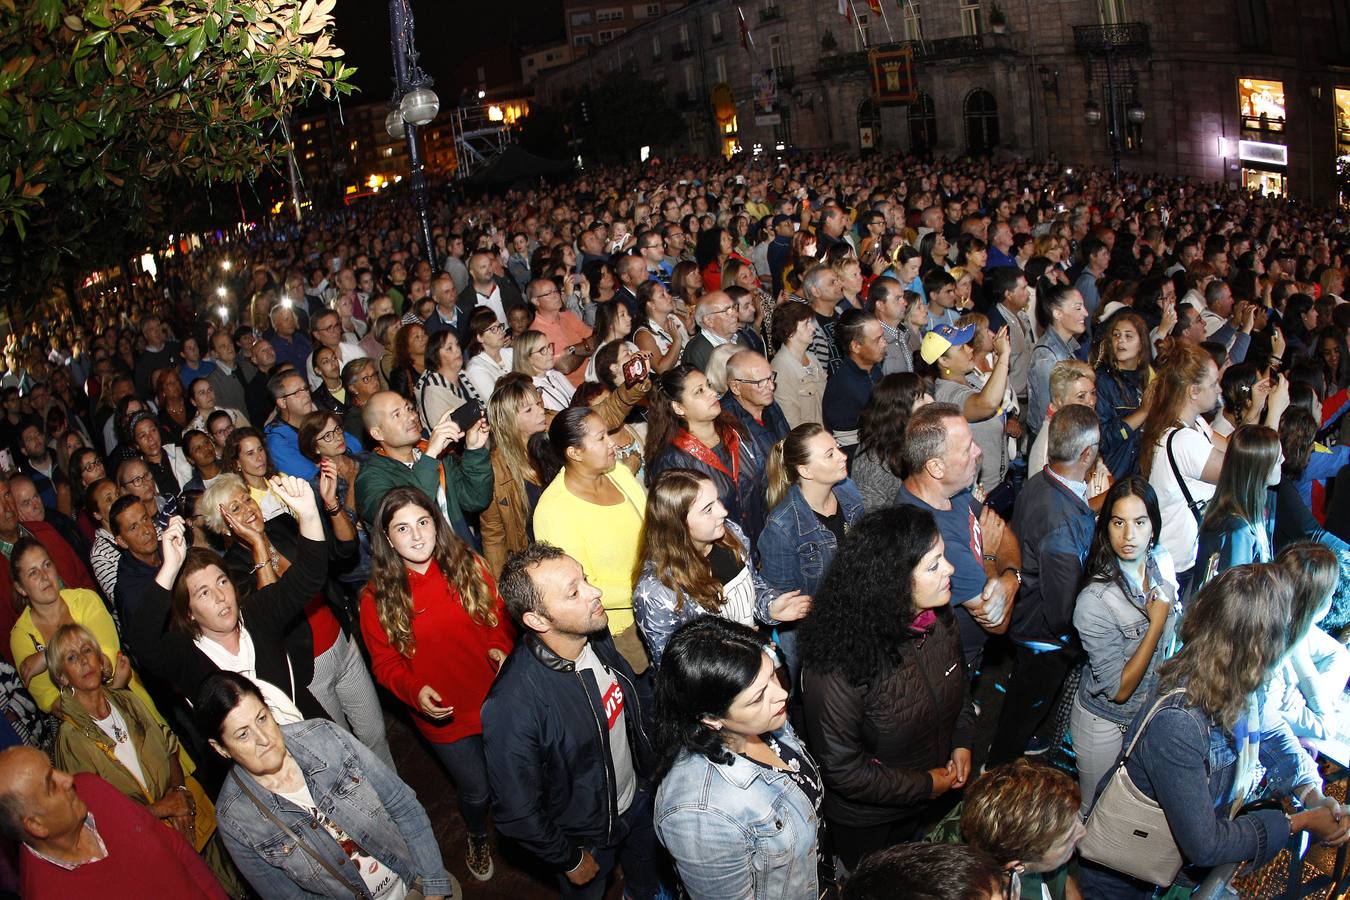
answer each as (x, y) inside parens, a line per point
(893, 76)
(765, 85)
(723, 104)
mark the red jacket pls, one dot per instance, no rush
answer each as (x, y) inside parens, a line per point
(451, 653)
(74, 573)
(146, 858)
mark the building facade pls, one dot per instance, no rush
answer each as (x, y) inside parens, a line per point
(1228, 91)
(347, 150)
(536, 59)
(592, 23)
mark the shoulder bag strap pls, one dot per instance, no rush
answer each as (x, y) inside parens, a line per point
(1149, 718)
(314, 854)
(1181, 481)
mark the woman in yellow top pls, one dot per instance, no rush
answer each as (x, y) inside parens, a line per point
(593, 510)
(47, 606)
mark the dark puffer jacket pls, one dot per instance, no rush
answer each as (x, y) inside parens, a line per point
(875, 742)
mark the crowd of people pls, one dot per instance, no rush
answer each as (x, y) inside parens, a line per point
(680, 508)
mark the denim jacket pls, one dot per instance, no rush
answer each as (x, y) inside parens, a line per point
(1186, 762)
(352, 788)
(659, 612)
(795, 549)
(738, 831)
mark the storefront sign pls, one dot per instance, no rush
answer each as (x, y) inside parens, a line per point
(1260, 152)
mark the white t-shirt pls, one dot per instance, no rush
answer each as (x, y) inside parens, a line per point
(611, 693)
(382, 882)
(115, 727)
(1191, 448)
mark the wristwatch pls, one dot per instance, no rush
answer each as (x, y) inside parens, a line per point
(1017, 573)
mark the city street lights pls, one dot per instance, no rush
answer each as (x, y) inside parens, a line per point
(1092, 113)
(413, 105)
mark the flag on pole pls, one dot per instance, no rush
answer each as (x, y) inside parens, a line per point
(747, 39)
(846, 10)
(875, 6)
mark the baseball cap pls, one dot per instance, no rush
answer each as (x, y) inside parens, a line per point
(780, 219)
(943, 338)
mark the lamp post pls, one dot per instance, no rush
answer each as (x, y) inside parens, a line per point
(1092, 113)
(413, 105)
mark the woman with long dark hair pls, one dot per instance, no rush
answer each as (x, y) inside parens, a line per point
(489, 351)
(444, 385)
(687, 428)
(437, 633)
(410, 348)
(887, 700)
(693, 562)
(1199, 756)
(1300, 322)
(730, 761)
(660, 333)
(714, 248)
(1238, 527)
(879, 465)
(1061, 319)
(1124, 615)
(1124, 367)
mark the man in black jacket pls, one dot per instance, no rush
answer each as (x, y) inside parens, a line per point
(485, 289)
(567, 755)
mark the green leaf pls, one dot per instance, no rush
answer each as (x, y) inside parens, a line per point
(97, 19)
(74, 23)
(196, 44)
(110, 56)
(179, 37)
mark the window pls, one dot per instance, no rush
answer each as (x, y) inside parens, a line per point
(529, 62)
(981, 122)
(1340, 26)
(387, 152)
(656, 46)
(309, 155)
(721, 65)
(581, 18)
(1253, 25)
(1261, 104)
(776, 51)
(1111, 12)
(583, 40)
(922, 126)
(604, 37)
(715, 25)
(862, 34)
(609, 15)
(911, 23)
(305, 126)
(653, 10)
(689, 80)
(684, 34)
(970, 16)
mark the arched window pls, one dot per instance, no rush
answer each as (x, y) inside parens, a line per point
(922, 126)
(981, 122)
(869, 124)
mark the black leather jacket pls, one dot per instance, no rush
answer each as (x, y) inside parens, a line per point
(875, 742)
(546, 739)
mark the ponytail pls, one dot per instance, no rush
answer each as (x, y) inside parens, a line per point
(784, 458)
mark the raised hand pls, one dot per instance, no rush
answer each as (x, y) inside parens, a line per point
(791, 606)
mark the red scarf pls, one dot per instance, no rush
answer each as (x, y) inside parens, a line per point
(701, 452)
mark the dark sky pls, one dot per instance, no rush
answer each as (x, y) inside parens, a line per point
(446, 29)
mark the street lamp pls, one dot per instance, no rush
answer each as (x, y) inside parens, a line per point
(413, 105)
(1092, 114)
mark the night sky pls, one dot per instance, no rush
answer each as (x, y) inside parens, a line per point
(445, 29)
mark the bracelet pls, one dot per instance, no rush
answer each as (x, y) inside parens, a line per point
(334, 512)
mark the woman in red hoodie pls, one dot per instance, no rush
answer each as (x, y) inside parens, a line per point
(437, 632)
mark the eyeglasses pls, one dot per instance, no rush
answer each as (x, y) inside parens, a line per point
(758, 382)
(303, 389)
(137, 481)
(369, 376)
(546, 348)
(331, 436)
(91, 465)
(719, 311)
(332, 326)
(497, 327)
(547, 294)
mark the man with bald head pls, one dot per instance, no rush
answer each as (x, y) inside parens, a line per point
(750, 398)
(402, 458)
(486, 288)
(717, 323)
(80, 836)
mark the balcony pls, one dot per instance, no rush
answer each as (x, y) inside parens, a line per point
(785, 76)
(681, 51)
(770, 14)
(1130, 38)
(968, 46)
(839, 63)
(1263, 125)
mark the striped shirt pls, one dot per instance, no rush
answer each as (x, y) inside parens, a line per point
(104, 559)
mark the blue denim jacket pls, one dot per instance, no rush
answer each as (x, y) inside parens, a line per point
(1186, 762)
(738, 831)
(354, 789)
(795, 549)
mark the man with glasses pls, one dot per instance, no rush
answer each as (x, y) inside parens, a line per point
(717, 321)
(751, 382)
(677, 245)
(326, 329)
(293, 403)
(652, 250)
(74, 571)
(572, 339)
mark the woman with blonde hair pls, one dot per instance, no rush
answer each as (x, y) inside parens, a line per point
(110, 732)
(518, 421)
(693, 561)
(1179, 453)
(532, 355)
(437, 633)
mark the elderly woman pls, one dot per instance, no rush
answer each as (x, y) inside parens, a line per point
(533, 356)
(111, 733)
(444, 385)
(361, 831)
(260, 553)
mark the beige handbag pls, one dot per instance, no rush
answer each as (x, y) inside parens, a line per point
(1128, 832)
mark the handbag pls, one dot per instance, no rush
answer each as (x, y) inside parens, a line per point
(1127, 831)
(1197, 507)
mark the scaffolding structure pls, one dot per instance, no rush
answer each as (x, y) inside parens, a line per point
(479, 136)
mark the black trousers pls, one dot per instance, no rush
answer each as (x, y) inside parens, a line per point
(1032, 687)
(854, 843)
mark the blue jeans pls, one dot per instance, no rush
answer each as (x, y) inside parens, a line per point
(638, 852)
(464, 760)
